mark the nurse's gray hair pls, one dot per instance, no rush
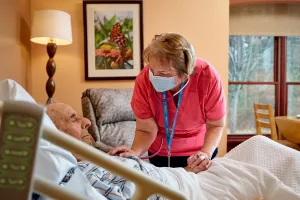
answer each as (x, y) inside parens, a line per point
(172, 50)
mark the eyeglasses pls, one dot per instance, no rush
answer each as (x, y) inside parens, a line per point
(161, 38)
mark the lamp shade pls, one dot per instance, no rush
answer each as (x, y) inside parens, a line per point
(51, 25)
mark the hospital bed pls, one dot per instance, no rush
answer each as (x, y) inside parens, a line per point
(21, 128)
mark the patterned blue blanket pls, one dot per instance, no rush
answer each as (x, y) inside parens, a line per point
(112, 186)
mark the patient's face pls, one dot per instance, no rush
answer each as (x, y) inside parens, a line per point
(65, 119)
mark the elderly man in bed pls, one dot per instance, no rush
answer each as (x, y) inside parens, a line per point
(65, 119)
(225, 179)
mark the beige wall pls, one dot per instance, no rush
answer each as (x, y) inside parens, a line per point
(205, 23)
(14, 40)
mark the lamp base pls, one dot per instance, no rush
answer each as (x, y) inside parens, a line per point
(49, 101)
(51, 67)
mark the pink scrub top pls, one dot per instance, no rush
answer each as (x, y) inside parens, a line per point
(203, 98)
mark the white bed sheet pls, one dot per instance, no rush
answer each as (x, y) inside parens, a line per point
(229, 179)
(258, 168)
(282, 161)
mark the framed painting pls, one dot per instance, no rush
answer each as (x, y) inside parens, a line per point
(113, 36)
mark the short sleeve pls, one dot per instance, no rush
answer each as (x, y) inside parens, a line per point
(215, 104)
(140, 101)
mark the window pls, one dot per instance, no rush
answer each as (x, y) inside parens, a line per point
(293, 75)
(262, 69)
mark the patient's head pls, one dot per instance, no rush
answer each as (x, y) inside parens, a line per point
(65, 119)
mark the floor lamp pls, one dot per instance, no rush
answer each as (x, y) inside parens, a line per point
(51, 28)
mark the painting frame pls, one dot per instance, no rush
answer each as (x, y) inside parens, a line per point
(129, 69)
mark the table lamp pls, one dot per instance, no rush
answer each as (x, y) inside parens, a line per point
(51, 28)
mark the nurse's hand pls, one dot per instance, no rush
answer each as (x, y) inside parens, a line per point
(123, 151)
(199, 162)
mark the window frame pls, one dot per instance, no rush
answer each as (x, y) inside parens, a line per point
(275, 82)
(281, 88)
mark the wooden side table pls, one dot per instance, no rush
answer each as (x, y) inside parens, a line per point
(289, 127)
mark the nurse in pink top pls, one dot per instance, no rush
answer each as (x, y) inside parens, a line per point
(179, 105)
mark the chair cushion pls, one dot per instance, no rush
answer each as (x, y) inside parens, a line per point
(113, 121)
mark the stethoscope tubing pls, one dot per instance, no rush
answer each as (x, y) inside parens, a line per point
(161, 101)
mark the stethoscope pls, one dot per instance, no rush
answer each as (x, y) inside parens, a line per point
(161, 101)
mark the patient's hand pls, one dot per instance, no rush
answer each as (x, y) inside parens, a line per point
(123, 151)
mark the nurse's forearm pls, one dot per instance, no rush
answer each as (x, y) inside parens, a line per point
(212, 139)
(142, 141)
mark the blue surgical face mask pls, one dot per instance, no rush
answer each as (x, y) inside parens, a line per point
(162, 84)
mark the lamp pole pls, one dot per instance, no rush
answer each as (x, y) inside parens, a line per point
(51, 67)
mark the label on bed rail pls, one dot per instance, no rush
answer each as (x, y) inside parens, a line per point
(19, 135)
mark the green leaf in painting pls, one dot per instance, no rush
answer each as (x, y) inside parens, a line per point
(104, 30)
(111, 22)
(99, 62)
(130, 25)
(97, 40)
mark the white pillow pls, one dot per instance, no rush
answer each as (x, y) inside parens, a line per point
(52, 161)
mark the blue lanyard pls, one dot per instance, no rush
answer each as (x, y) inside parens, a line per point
(169, 136)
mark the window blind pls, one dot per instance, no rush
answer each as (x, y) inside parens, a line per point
(278, 19)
